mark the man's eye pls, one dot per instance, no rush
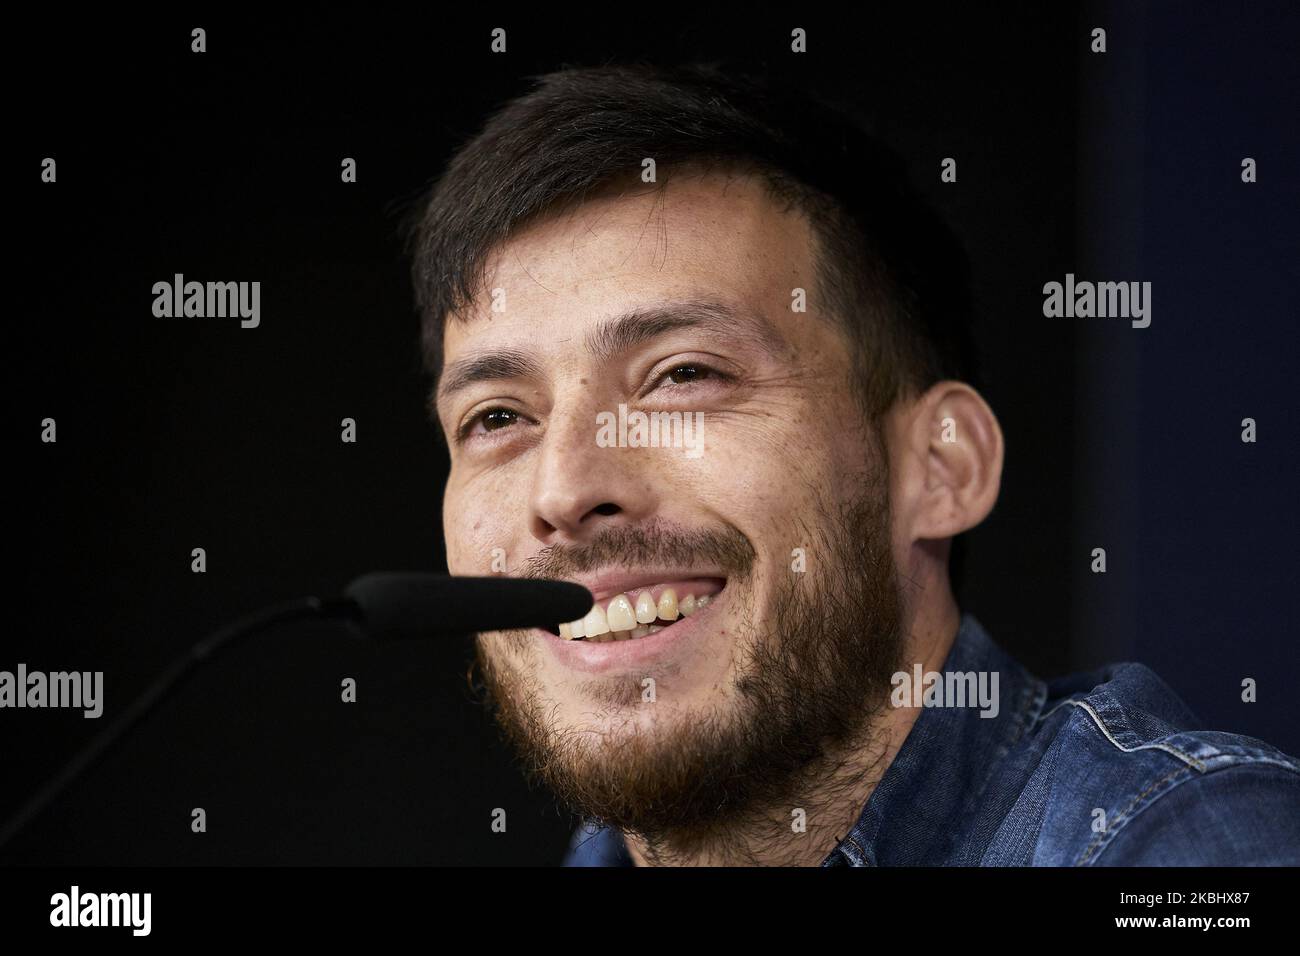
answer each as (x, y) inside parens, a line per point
(497, 418)
(689, 372)
(493, 419)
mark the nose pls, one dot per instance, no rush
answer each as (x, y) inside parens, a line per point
(579, 487)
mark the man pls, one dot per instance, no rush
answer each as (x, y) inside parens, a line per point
(699, 347)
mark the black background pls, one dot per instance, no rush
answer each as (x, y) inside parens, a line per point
(175, 433)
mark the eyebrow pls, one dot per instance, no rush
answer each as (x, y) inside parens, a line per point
(640, 325)
(497, 365)
(617, 335)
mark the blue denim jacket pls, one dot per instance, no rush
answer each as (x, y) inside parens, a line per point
(1107, 768)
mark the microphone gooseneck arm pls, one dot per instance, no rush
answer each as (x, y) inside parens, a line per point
(383, 606)
(165, 685)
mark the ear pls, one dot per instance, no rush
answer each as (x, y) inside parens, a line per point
(947, 467)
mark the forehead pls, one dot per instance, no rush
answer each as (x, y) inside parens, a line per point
(716, 236)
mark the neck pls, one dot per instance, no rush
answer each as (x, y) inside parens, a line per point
(836, 789)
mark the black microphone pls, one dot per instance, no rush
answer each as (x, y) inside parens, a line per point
(382, 606)
(395, 606)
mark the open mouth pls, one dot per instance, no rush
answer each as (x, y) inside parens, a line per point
(638, 612)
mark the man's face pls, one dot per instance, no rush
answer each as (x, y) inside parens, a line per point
(677, 300)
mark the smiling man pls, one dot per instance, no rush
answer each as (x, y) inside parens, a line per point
(663, 247)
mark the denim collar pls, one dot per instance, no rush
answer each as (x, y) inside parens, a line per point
(921, 806)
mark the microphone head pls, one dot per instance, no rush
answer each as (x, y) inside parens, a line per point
(399, 605)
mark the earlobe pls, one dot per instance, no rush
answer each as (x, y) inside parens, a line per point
(963, 451)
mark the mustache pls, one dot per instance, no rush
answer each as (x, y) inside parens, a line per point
(654, 544)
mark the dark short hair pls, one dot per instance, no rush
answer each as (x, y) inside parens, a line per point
(887, 267)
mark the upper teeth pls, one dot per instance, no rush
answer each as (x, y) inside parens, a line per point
(624, 618)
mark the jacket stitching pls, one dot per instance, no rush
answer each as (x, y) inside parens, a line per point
(1030, 701)
(1055, 709)
(866, 859)
(1125, 815)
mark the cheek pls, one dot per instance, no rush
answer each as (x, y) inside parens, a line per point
(473, 530)
(758, 473)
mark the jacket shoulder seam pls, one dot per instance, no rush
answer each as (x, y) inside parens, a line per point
(1185, 757)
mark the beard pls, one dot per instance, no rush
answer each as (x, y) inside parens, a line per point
(809, 683)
